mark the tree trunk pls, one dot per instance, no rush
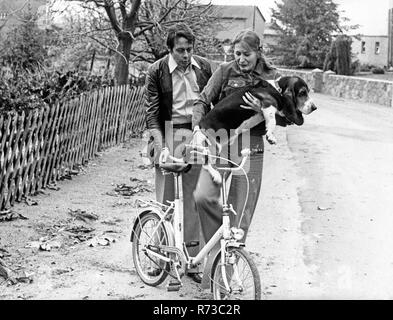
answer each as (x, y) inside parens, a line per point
(343, 56)
(122, 60)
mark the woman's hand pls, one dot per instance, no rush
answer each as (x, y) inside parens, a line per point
(252, 102)
(164, 155)
(199, 139)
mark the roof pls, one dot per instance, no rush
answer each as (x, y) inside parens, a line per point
(237, 12)
(272, 29)
(371, 36)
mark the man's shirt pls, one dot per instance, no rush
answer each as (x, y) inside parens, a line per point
(185, 90)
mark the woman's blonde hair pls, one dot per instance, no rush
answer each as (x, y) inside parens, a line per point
(252, 40)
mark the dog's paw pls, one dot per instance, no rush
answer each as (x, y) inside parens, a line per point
(271, 138)
(216, 176)
(232, 139)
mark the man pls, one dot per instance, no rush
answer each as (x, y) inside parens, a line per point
(173, 83)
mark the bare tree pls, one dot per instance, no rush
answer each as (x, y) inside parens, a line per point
(12, 13)
(123, 18)
(135, 30)
(157, 16)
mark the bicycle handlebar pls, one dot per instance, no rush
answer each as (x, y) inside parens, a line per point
(204, 151)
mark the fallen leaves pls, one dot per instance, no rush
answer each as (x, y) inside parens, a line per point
(103, 240)
(29, 201)
(125, 190)
(323, 208)
(61, 235)
(82, 215)
(44, 244)
(59, 272)
(4, 253)
(12, 277)
(111, 221)
(80, 233)
(9, 215)
(53, 186)
(144, 166)
(79, 229)
(3, 270)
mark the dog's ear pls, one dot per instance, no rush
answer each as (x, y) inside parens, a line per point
(284, 82)
(290, 93)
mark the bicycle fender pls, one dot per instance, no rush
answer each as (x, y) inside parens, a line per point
(208, 269)
(212, 261)
(235, 244)
(166, 224)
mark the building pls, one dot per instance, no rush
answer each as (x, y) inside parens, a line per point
(233, 19)
(371, 50)
(230, 21)
(271, 36)
(390, 34)
(376, 50)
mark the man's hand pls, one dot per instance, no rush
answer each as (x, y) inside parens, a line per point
(252, 103)
(164, 155)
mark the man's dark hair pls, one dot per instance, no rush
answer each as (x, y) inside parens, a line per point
(179, 30)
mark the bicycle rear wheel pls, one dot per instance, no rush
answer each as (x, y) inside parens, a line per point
(242, 276)
(150, 233)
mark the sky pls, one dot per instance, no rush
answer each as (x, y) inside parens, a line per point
(371, 17)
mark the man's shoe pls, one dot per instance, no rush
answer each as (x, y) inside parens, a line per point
(153, 272)
(197, 277)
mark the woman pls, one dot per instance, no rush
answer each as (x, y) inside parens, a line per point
(248, 68)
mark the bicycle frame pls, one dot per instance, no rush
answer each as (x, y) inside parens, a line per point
(223, 235)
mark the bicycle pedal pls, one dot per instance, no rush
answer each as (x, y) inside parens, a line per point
(173, 286)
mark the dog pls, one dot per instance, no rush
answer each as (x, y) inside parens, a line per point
(289, 101)
(283, 102)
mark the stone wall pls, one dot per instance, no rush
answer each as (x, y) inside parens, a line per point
(365, 90)
(307, 76)
(360, 89)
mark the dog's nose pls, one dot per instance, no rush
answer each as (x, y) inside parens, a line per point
(313, 107)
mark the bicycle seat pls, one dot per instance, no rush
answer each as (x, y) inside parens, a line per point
(176, 167)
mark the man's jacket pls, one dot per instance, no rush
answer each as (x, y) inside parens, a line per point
(158, 90)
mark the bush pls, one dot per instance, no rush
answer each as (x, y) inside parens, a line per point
(355, 67)
(24, 45)
(377, 70)
(366, 67)
(23, 89)
(338, 59)
(19, 92)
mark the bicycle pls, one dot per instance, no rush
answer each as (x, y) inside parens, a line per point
(159, 250)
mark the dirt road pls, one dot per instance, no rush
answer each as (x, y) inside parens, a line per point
(344, 158)
(322, 227)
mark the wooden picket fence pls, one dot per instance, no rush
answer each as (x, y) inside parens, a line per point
(40, 146)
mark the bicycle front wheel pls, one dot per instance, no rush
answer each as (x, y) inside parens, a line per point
(150, 233)
(240, 273)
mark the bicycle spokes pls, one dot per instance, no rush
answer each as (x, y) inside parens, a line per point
(237, 274)
(150, 236)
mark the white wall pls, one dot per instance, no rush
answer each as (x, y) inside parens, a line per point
(369, 56)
